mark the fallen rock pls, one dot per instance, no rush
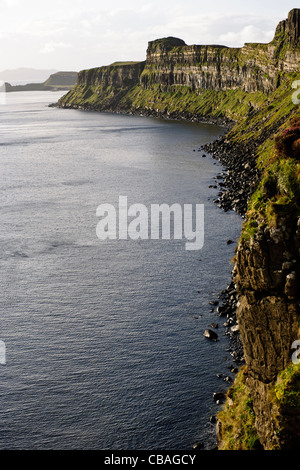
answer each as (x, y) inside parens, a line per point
(198, 445)
(209, 334)
(219, 397)
(235, 328)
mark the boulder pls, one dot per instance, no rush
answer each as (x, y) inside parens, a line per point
(209, 334)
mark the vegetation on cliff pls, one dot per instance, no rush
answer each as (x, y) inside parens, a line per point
(287, 390)
(253, 87)
(267, 278)
(278, 193)
(236, 425)
(237, 419)
(178, 80)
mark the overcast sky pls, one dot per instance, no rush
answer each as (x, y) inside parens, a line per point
(79, 34)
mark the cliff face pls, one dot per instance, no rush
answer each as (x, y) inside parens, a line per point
(254, 67)
(104, 87)
(62, 80)
(267, 280)
(288, 30)
(172, 67)
(119, 75)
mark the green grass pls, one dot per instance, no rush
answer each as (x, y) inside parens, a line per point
(278, 193)
(287, 389)
(269, 113)
(238, 419)
(231, 104)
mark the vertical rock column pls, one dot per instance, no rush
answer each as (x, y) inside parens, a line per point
(267, 278)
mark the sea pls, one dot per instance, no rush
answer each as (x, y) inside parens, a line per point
(103, 339)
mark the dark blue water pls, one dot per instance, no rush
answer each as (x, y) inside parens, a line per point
(104, 339)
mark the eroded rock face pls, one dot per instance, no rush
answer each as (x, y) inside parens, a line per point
(171, 63)
(254, 67)
(290, 27)
(108, 85)
(267, 280)
(118, 75)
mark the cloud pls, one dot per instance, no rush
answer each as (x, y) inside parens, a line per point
(52, 46)
(12, 3)
(249, 33)
(87, 33)
(230, 30)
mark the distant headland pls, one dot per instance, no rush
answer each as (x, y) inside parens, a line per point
(57, 81)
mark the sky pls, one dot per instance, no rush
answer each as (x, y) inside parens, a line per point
(80, 34)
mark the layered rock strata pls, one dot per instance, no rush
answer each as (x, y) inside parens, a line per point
(267, 281)
(171, 65)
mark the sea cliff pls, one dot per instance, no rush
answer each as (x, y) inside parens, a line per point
(252, 90)
(181, 81)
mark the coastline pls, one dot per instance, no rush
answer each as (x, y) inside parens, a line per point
(260, 153)
(235, 189)
(243, 150)
(184, 116)
(233, 196)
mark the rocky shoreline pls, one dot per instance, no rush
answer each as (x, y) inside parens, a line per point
(236, 185)
(242, 176)
(145, 112)
(224, 305)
